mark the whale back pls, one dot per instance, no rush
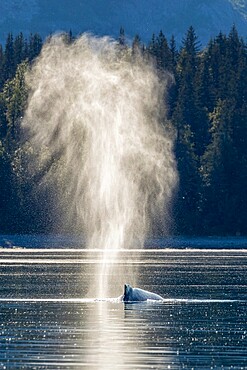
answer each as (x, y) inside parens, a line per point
(138, 295)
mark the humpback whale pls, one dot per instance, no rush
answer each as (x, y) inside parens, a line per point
(138, 295)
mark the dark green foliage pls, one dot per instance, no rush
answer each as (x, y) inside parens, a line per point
(35, 45)
(186, 205)
(219, 171)
(20, 49)
(165, 55)
(121, 39)
(224, 170)
(207, 106)
(15, 199)
(14, 95)
(9, 59)
(136, 46)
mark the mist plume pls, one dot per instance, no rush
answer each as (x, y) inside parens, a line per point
(97, 111)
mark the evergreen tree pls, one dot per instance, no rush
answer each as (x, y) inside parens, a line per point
(35, 46)
(163, 54)
(136, 46)
(219, 66)
(1, 66)
(187, 114)
(13, 100)
(173, 88)
(20, 49)
(174, 54)
(153, 47)
(9, 59)
(219, 171)
(186, 72)
(121, 38)
(186, 205)
(15, 96)
(70, 37)
(203, 104)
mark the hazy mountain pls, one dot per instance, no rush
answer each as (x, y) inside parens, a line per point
(105, 17)
(241, 6)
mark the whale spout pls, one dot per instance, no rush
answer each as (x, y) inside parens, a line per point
(138, 295)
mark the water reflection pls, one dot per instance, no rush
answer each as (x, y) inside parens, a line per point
(125, 337)
(105, 335)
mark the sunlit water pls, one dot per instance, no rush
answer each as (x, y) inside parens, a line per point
(48, 321)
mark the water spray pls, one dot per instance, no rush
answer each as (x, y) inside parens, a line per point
(98, 112)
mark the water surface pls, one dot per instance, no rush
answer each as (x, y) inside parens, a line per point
(48, 320)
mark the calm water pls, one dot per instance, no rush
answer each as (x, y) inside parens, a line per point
(48, 321)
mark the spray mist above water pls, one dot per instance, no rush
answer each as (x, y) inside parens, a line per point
(97, 111)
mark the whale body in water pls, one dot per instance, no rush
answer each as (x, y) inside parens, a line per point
(138, 295)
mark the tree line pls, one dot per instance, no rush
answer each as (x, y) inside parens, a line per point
(207, 105)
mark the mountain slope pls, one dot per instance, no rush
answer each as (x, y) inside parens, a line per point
(143, 17)
(241, 6)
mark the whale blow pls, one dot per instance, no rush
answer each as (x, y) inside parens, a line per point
(138, 295)
(101, 146)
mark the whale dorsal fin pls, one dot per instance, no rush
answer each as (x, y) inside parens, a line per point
(127, 289)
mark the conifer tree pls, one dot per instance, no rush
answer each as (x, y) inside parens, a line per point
(219, 170)
(9, 59)
(20, 49)
(186, 71)
(164, 54)
(121, 38)
(136, 46)
(1, 66)
(186, 205)
(35, 46)
(15, 96)
(186, 119)
(174, 54)
(12, 102)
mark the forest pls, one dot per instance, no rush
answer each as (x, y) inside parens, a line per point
(207, 106)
